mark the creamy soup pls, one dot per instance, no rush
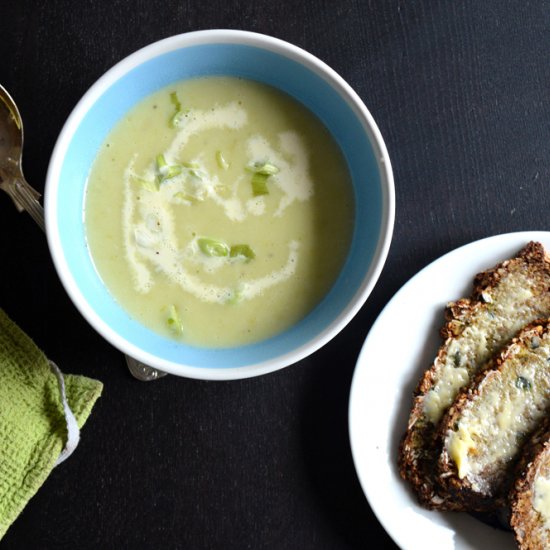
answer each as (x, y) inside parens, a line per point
(219, 211)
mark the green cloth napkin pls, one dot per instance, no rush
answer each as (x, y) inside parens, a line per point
(33, 429)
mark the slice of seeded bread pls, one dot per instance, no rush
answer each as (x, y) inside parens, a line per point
(486, 427)
(530, 495)
(504, 299)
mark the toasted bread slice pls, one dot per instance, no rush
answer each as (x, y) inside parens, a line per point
(504, 299)
(486, 427)
(530, 495)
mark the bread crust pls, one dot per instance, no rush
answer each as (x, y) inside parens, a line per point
(526, 522)
(419, 451)
(497, 477)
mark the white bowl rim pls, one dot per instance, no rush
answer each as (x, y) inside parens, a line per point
(285, 49)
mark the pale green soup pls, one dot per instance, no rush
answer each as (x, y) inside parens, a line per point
(219, 211)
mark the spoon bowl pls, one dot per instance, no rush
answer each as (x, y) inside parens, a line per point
(12, 180)
(11, 131)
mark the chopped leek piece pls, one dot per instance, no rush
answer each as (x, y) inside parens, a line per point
(172, 171)
(222, 163)
(185, 197)
(175, 101)
(161, 162)
(212, 247)
(262, 171)
(259, 184)
(167, 171)
(173, 321)
(242, 250)
(146, 184)
(176, 117)
(199, 174)
(191, 165)
(265, 168)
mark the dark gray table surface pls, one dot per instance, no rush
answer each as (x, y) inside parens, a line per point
(460, 91)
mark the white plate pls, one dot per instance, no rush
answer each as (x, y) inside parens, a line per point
(400, 346)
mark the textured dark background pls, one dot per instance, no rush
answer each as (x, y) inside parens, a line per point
(460, 91)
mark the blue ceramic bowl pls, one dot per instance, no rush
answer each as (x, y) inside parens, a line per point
(232, 53)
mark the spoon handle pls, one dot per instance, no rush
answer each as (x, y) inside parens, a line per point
(24, 197)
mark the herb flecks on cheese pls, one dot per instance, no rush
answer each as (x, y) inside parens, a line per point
(501, 413)
(509, 306)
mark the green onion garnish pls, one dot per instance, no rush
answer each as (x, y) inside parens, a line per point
(265, 168)
(167, 171)
(242, 250)
(262, 171)
(198, 173)
(146, 184)
(173, 321)
(174, 170)
(161, 162)
(185, 197)
(176, 117)
(194, 165)
(259, 184)
(175, 101)
(212, 247)
(222, 163)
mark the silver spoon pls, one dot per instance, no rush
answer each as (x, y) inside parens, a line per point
(25, 197)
